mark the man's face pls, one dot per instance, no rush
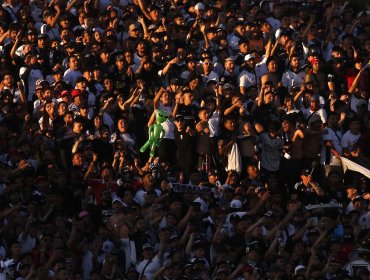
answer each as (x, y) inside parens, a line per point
(294, 62)
(230, 66)
(333, 120)
(8, 81)
(78, 127)
(81, 85)
(73, 63)
(251, 63)
(243, 47)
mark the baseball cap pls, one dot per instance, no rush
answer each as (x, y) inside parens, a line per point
(199, 6)
(64, 93)
(80, 80)
(152, 27)
(298, 268)
(227, 86)
(117, 199)
(147, 246)
(83, 214)
(249, 56)
(120, 57)
(236, 204)
(314, 61)
(75, 92)
(229, 59)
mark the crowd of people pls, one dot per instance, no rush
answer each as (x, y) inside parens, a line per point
(265, 100)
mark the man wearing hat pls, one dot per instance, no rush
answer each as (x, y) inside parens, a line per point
(248, 76)
(151, 263)
(317, 77)
(307, 191)
(231, 72)
(29, 75)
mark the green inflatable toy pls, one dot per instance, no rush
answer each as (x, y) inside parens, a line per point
(156, 133)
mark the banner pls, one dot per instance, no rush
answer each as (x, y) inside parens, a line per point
(186, 188)
(349, 164)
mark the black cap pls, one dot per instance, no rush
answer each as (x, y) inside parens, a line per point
(81, 79)
(175, 81)
(42, 36)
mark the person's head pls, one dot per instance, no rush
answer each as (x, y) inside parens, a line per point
(288, 124)
(243, 46)
(271, 64)
(48, 16)
(294, 61)
(314, 103)
(333, 120)
(81, 83)
(122, 125)
(230, 124)
(148, 181)
(30, 58)
(269, 97)
(207, 65)
(188, 97)
(351, 192)
(73, 63)
(108, 84)
(180, 122)
(120, 62)
(104, 55)
(77, 159)
(273, 129)
(148, 251)
(78, 125)
(104, 132)
(250, 61)
(8, 80)
(230, 64)
(68, 118)
(203, 114)
(354, 126)
(141, 47)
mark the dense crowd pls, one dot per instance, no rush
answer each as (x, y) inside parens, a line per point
(265, 100)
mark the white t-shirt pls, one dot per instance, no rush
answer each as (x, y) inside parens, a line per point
(150, 269)
(213, 123)
(34, 75)
(291, 79)
(335, 137)
(271, 152)
(247, 79)
(349, 140)
(52, 33)
(27, 244)
(70, 76)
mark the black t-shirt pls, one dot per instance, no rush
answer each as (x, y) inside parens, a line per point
(189, 112)
(103, 149)
(306, 194)
(185, 150)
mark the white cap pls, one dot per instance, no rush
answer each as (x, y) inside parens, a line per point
(248, 57)
(236, 204)
(298, 267)
(199, 6)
